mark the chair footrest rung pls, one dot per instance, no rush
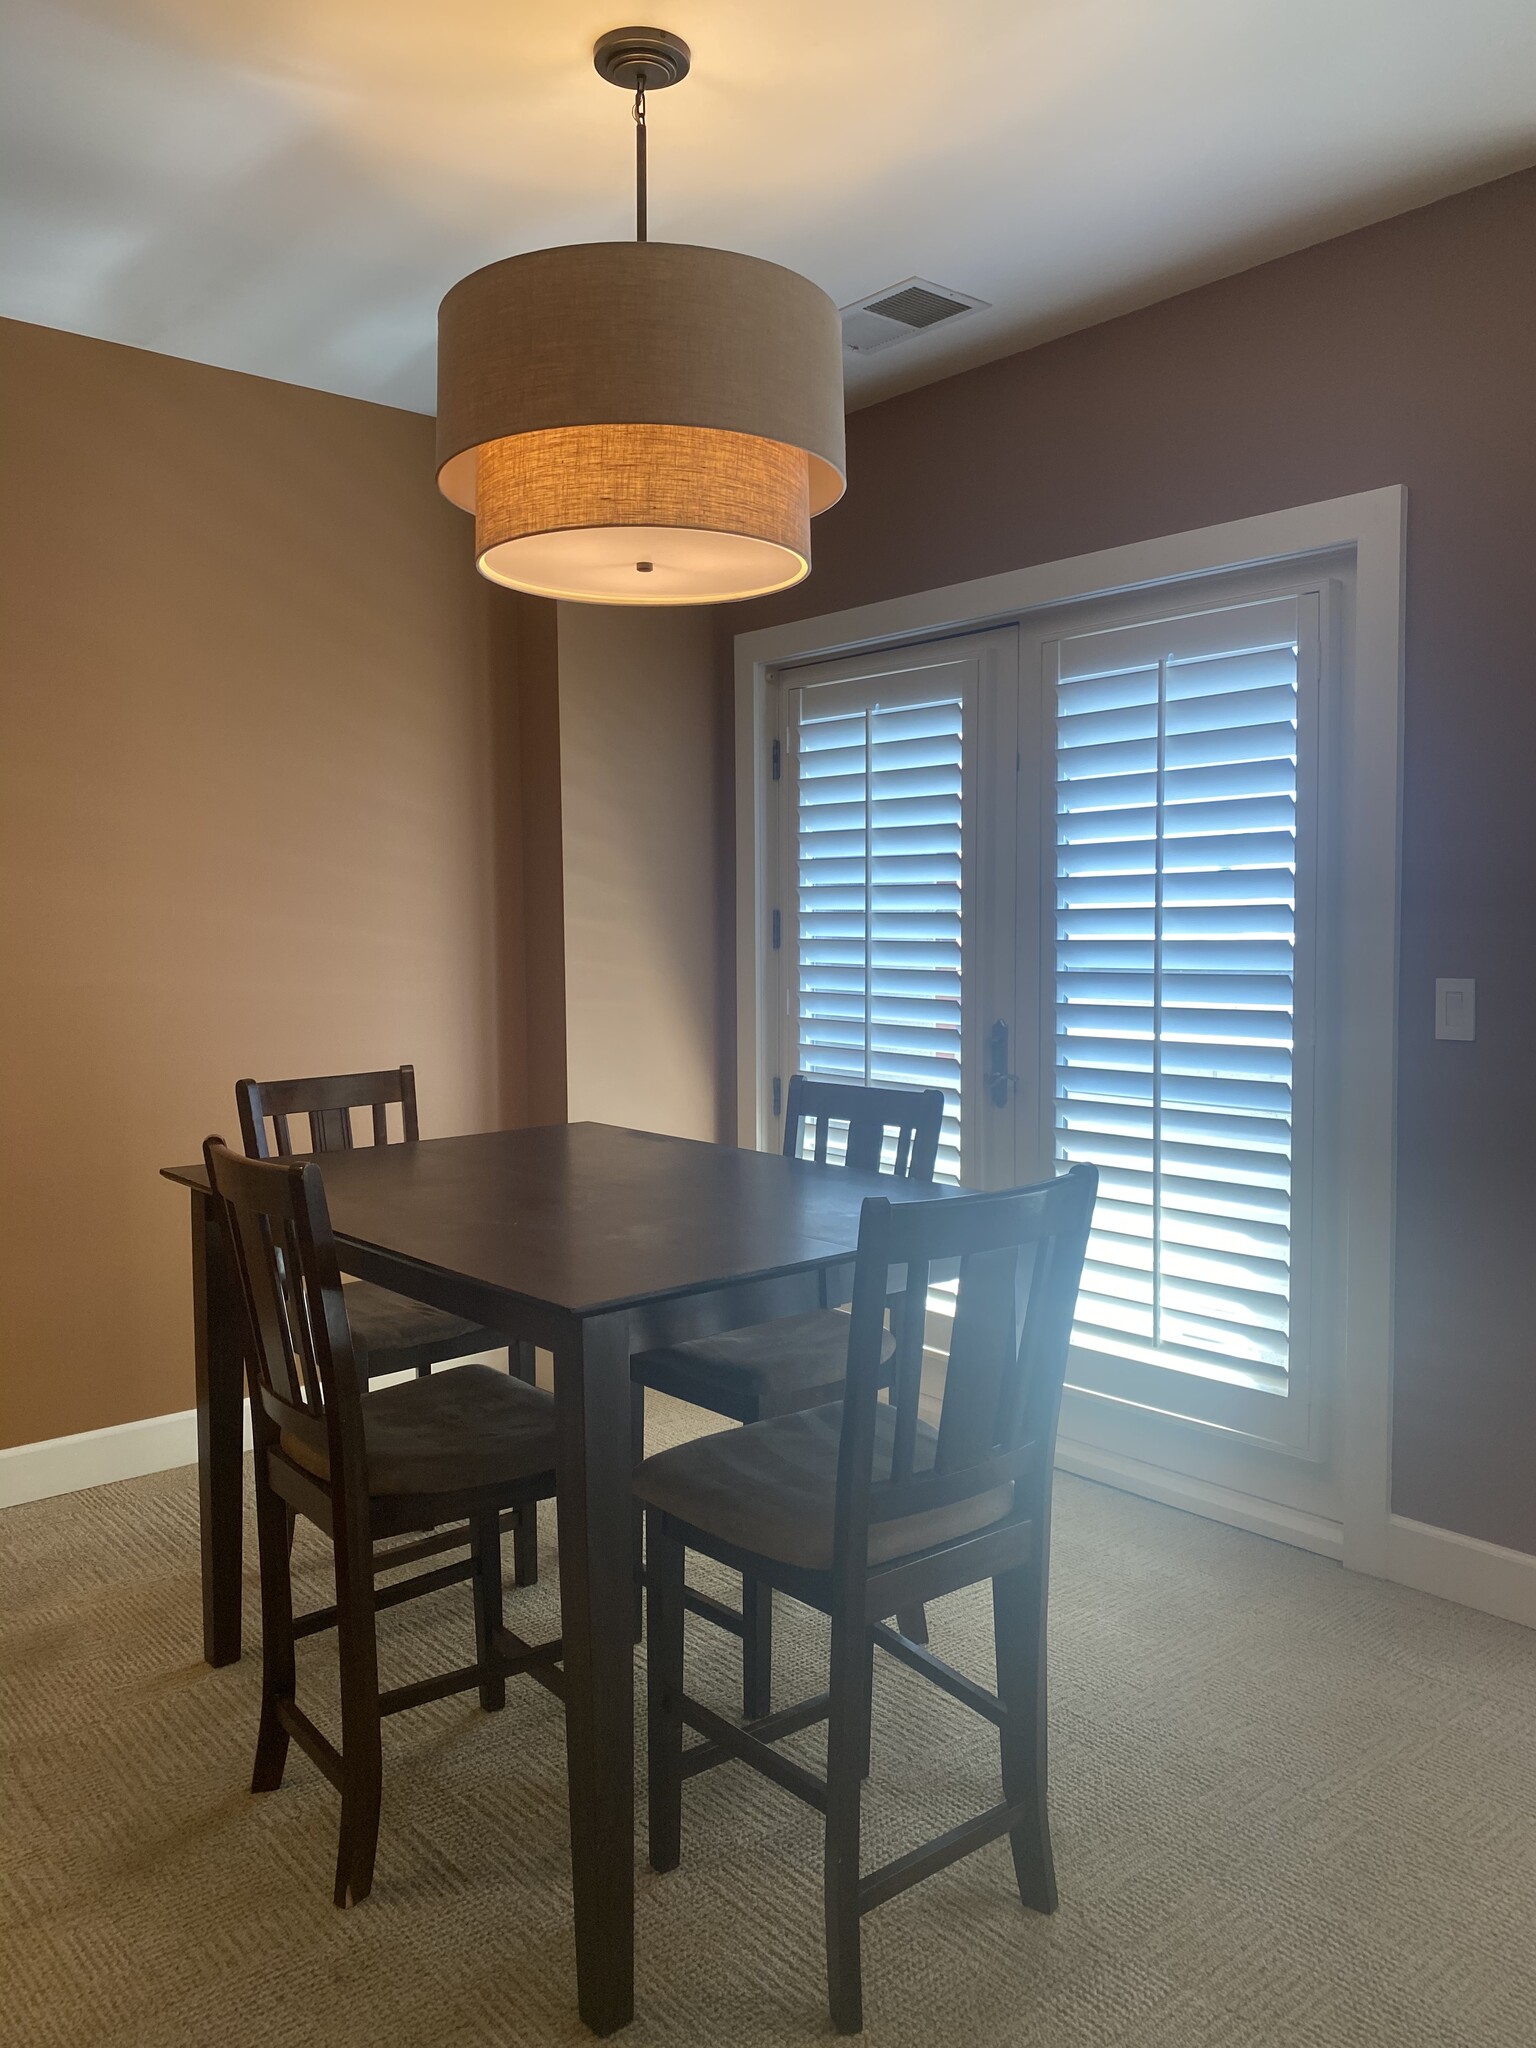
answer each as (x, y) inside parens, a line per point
(716, 1611)
(737, 1744)
(386, 1559)
(324, 1755)
(790, 1720)
(514, 1658)
(391, 1596)
(767, 1728)
(456, 1537)
(896, 1876)
(399, 1697)
(919, 1658)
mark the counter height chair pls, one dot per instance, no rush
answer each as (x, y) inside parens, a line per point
(389, 1333)
(459, 1446)
(795, 1362)
(862, 1510)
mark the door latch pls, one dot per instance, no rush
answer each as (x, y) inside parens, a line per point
(999, 1080)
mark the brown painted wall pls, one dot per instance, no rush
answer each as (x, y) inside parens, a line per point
(253, 782)
(1405, 353)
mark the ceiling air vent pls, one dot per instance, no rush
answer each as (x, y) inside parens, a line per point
(900, 313)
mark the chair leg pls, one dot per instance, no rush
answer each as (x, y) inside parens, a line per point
(274, 1527)
(1018, 1619)
(756, 1649)
(637, 1520)
(869, 1703)
(913, 1623)
(362, 1760)
(525, 1546)
(522, 1365)
(485, 1549)
(847, 1747)
(664, 1691)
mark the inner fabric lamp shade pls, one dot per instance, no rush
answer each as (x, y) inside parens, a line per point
(640, 422)
(574, 511)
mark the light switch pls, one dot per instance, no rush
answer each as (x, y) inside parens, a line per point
(1455, 1009)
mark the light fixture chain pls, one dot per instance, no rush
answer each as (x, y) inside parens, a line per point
(640, 234)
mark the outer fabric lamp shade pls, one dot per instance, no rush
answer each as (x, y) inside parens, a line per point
(626, 403)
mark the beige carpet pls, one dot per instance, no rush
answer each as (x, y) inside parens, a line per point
(1292, 1806)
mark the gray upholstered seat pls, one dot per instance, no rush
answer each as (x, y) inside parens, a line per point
(392, 1334)
(769, 1364)
(771, 1487)
(466, 1427)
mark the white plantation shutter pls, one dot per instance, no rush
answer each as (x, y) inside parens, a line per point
(1175, 994)
(876, 864)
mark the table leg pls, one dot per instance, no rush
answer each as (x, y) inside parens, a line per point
(592, 1454)
(220, 1367)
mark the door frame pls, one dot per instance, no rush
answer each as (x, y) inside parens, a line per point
(1372, 527)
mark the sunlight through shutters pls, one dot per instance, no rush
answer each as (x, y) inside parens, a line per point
(877, 872)
(1176, 838)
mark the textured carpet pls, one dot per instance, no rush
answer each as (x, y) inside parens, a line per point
(1292, 1807)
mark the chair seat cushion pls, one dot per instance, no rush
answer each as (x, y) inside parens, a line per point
(770, 1488)
(468, 1427)
(392, 1334)
(767, 1364)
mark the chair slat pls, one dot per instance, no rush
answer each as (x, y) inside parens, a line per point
(911, 1117)
(330, 1130)
(327, 1101)
(983, 1349)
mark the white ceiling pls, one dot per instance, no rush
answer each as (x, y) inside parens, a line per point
(289, 186)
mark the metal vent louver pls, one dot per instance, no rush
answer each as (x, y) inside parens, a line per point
(901, 312)
(918, 307)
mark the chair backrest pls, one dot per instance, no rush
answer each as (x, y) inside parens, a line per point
(1020, 1259)
(279, 1231)
(328, 1100)
(912, 1116)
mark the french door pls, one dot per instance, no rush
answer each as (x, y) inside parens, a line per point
(892, 851)
(1066, 870)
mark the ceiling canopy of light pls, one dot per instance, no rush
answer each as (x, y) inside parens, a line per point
(640, 422)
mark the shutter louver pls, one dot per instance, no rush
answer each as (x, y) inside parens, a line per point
(878, 875)
(1176, 756)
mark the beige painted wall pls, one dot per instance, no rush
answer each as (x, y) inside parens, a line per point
(640, 712)
(249, 814)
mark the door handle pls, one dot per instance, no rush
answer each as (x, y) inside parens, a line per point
(999, 1079)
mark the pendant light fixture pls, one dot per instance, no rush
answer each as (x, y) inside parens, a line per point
(640, 422)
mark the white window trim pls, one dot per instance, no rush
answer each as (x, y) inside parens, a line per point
(1372, 526)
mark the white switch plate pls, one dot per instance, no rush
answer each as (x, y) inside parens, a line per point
(1455, 1009)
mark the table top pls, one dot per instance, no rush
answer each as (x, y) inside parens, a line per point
(589, 1217)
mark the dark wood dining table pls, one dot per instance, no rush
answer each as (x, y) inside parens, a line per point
(592, 1243)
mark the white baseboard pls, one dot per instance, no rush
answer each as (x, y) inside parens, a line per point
(1430, 1560)
(127, 1450)
(1463, 1568)
(97, 1457)
(1201, 1497)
